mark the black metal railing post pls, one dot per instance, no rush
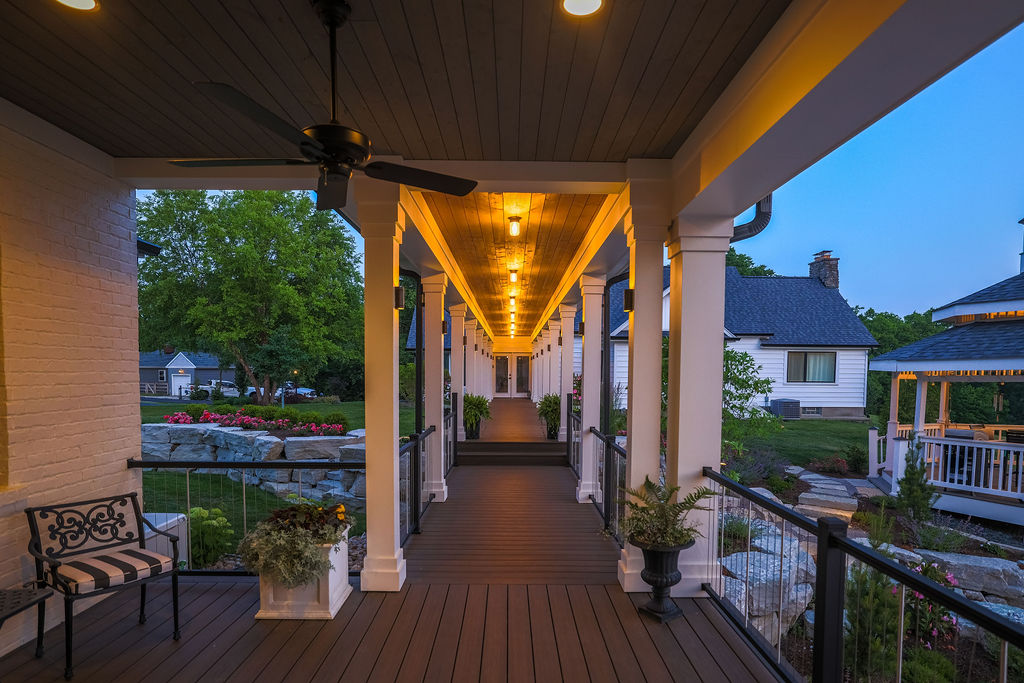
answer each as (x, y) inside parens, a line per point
(568, 428)
(830, 601)
(455, 426)
(414, 481)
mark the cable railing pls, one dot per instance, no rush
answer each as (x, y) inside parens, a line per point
(573, 436)
(211, 505)
(451, 433)
(411, 477)
(825, 607)
(611, 478)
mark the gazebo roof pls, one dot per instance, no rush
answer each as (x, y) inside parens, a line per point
(1004, 296)
(975, 346)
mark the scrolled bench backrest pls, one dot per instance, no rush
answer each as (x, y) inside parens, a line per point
(69, 529)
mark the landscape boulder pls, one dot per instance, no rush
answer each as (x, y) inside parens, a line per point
(314, 447)
(193, 451)
(992, 576)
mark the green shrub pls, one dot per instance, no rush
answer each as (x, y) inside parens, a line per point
(994, 549)
(856, 458)
(210, 536)
(735, 531)
(335, 417)
(198, 394)
(194, 410)
(292, 414)
(753, 465)
(778, 485)
(407, 381)
(217, 394)
(941, 539)
(833, 464)
(916, 495)
(927, 666)
(262, 412)
(331, 400)
(222, 409)
(238, 401)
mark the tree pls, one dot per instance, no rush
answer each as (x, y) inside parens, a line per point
(745, 264)
(259, 277)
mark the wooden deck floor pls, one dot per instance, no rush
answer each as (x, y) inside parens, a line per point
(511, 525)
(426, 632)
(513, 419)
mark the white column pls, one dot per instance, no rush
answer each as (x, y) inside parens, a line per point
(943, 407)
(382, 224)
(534, 364)
(542, 370)
(696, 320)
(893, 427)
(489, 365)
(592, 289)
(643, 410)
(458, 361)
(921, 404)
(481, 370)
(554, 362)
(567, 316)
(471, 358)
(433, 384)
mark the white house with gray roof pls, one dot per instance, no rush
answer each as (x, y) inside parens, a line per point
(800, 330)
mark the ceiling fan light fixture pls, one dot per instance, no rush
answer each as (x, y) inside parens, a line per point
(81, 5)
(513, 226)
(581, 8)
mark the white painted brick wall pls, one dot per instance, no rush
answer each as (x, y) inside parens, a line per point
(69, 409)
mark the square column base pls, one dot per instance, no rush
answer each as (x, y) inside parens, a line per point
(584, 490)
(693, 565)
(383, 573)
(631, 563)
(439, 489)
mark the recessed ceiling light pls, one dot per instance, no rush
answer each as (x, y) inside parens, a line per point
(83, 5)
(581, 8)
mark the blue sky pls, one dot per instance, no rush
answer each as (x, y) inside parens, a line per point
(922, 207)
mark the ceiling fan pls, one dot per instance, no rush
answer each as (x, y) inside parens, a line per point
(336, 149)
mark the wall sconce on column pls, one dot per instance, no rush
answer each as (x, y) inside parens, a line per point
(399, 298)
(444, 327)
(559, 340)
(581, 327)
(627, 299)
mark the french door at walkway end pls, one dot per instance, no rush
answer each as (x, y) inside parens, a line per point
(512, 376)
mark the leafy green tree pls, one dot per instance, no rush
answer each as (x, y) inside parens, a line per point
(745, 264)
(259, 277)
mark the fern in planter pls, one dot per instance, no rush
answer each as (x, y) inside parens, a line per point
(475, 408)
(549, 409)
(654, 521)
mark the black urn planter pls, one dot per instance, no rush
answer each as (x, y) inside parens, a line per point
(474, 431)
(552, 430)
(661, 572)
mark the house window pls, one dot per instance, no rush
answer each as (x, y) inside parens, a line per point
(811, 366)
(806, 410)
(161, 375)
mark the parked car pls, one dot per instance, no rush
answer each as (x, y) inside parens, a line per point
(205, 390)
(288, 388)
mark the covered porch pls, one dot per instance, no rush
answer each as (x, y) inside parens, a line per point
(599, 147)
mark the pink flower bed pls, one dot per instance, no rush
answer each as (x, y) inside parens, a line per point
(244, 421)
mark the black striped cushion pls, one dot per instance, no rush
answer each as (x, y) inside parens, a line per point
(97, 572)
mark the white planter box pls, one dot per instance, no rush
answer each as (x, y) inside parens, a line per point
(318, 600)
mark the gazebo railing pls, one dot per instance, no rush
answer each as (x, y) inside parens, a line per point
(991, 467)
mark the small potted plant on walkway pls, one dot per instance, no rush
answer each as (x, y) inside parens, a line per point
(658, 527)
(475, 409)
(550, 410)
(301, 555)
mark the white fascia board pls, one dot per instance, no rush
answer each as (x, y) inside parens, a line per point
(180, 361)
(941, 365)
(958, 310)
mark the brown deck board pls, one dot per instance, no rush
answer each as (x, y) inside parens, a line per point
(513, 419)
(520, 647)
(534, 598)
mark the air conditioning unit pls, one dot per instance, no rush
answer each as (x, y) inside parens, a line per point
(786, 408)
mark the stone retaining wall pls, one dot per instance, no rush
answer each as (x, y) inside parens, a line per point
(213, 443)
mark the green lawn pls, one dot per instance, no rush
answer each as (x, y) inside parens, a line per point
(354, 410)
(803, 441)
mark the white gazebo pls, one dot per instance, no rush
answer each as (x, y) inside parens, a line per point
(978, 467)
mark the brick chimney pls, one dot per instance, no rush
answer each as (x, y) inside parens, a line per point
(826, 269)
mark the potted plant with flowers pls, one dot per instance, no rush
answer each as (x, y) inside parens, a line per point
(301, 555)
(658, 526)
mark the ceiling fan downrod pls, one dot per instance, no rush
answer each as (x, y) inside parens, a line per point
(333, 13)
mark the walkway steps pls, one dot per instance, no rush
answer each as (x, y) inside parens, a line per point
(551, 453)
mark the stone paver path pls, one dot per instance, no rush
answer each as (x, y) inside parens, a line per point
(830, 496)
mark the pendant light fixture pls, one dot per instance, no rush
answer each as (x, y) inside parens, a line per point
(513, 226)
(513, 275)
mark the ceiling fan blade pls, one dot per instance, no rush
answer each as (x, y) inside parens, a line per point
(211, 163)
(244, 104)
(332, 190)
(417, 177)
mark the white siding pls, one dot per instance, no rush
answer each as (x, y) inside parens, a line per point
(846, 392)
(620, 369)
(577, 354)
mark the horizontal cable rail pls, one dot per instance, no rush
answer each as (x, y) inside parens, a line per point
(573, 429)
(822, 606)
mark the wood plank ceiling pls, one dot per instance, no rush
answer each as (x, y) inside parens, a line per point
(476, 230)
(496, 80)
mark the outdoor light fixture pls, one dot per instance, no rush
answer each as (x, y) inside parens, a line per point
(399, 298)
(444, 327)
(627, 299)
(512, 303)
(513, 275)
(513, 226)
(83, 5)
(559, 340)
(512, 317)
(581, 8)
